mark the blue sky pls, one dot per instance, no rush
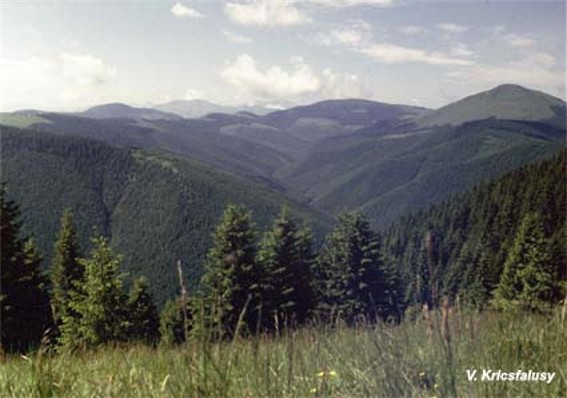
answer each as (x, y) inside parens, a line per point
(60, 55)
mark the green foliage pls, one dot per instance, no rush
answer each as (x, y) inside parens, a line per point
(171, 328)
(383, 362)
(349, 276)
(526, 280)
(230, 285)
(24, 301)
(99, 310)
(285, 259)
(481, 233)
(143, 316)
(66, 272)
(156, 207)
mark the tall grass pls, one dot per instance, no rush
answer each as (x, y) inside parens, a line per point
(413, 359)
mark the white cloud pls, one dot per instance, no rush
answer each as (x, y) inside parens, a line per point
(412, 30)
(342, 85)
(515, 40)
(273, 82)
(266, 13)
(297, 81)
(182, 11)
(66, 80)
(344, 37)
(191, 94)
(534, 70)
(353, 3)
(451, 27)
(85, 70)
(394, 54)
(236, 38)
(461, 50)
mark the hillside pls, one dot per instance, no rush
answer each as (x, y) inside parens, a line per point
(335, 155)
(473, 234)
(508, 102)
(193, 109)
(393, 167)
(108, 111)
(156, 207)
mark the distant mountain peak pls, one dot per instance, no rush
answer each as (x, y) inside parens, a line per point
(506, 101)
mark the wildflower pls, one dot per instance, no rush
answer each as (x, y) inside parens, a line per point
(331, 373)
(313, 391)
(421, 374)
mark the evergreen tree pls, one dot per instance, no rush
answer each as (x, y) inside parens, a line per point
(230, 282)
(285, 259)
(349, 279)
(24, 303)
(99, 306)
(65, 269)
(171, 324)
(142, 313)
(526, 281)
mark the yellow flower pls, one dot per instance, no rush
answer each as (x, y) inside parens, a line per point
(313, 390)
(329, 373)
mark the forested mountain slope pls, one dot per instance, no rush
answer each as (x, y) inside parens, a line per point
(394, 167)
(156, 207)
(473, 235)
(384, 160)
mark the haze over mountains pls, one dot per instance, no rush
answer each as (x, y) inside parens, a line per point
(161, 167)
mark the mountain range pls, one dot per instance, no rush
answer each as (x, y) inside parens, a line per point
(156, 179)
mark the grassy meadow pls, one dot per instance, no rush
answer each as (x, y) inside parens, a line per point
(422, 358)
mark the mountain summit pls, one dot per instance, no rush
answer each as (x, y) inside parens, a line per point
(507, 101)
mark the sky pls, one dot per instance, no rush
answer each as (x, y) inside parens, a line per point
(67, 56)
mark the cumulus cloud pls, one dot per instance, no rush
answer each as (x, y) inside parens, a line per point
(236, 38)
(461, 50)
(266, 13)
(343, 37)
(66, 80)
(394, 54)
(296, 81)
(274, 81)
(353, 3)
(412, 30)
(183, 11)
(515, 40)
(453, 28)
(85, 70)
(342, 85)
(192, 94)
(535, 69)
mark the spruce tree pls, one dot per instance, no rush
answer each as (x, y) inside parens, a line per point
(99, 306)
(230, 282)
(171, 324)
(349, 279)
(142, 313)
(526, 281)
(285, 259)
(24, 303)
(65, 269)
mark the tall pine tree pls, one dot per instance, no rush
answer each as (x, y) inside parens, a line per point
(349, 278)
(230, 283)
(99, 306)
(285, 258)
(66, 272)
(24, 302)
(526, 281)
(142, 313)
